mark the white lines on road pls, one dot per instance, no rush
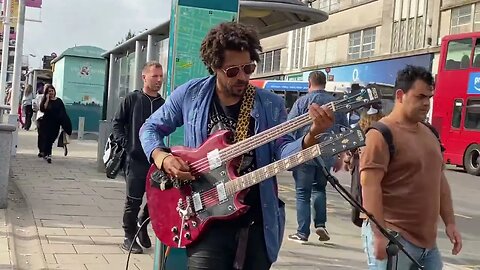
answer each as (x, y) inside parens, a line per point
(463, 216)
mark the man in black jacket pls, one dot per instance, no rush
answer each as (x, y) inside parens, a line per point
(133, 111)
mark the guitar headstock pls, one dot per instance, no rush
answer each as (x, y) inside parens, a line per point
(348, 139)
(349, 103)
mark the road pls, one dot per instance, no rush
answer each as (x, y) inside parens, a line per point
(345, 249)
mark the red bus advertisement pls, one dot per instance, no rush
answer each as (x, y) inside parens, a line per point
(456, 102)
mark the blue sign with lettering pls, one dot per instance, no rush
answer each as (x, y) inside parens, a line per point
(474, 83)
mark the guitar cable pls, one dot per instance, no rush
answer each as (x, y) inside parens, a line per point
(135, 239)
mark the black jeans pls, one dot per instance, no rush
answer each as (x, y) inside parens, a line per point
(217, 248)
(135, 175)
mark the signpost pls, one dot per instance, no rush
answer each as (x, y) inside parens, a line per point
(190, 22)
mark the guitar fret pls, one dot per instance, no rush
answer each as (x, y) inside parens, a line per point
(274, 168)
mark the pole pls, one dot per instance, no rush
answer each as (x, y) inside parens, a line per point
(17, 63)
(17, 70)
(6, 38)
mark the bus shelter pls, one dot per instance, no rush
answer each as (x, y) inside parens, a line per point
(125, 62)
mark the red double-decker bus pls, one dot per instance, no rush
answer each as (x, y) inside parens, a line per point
(456, 102)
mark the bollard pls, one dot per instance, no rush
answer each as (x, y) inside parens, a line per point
(81, 127)
(6, 137)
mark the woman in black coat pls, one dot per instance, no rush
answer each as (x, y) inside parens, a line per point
(54, 116)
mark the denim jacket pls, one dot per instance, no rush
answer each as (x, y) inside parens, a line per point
(300, 107)
(189, 105)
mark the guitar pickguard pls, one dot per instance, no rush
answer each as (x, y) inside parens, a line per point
(209, 185)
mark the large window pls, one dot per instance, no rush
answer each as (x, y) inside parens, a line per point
(361, 44)
(409, 25)
(298, 48)
(458, 54)
(269, 62)
(457, 113)
(465, 19)
(327, 5)
(472, 117)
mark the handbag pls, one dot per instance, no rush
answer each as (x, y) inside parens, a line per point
(113, 157)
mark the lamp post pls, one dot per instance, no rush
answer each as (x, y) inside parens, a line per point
(6, 38)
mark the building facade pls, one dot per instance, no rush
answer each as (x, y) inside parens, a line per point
(367, 35)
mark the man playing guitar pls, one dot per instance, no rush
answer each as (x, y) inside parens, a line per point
(225, 100)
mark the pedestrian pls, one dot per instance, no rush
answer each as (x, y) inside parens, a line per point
(27, 106)
(39, 117)
(132, 113)
(54, 116)
(408, 191)
(310, 181)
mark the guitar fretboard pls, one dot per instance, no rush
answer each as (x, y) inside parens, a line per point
(273, 169)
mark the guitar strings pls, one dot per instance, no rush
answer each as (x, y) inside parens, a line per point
(203, 165)
(207, 197)
(234, 148)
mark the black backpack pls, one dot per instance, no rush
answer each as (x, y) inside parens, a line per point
(355, 186)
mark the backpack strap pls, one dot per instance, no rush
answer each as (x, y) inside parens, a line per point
(435, 132)
(387, 135)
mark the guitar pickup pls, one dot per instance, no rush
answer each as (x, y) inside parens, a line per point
(197, 202)
(222, 194)
(214, 160)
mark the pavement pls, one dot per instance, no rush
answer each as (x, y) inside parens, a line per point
(66, 215)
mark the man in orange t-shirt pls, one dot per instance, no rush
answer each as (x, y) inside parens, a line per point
(408, 191)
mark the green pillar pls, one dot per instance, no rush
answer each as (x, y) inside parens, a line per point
(190, 21)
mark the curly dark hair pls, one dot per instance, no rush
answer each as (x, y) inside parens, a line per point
(407, 77)
(229, 36)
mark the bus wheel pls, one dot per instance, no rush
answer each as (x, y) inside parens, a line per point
(471, 159)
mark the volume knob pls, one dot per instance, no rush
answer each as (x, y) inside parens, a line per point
(175, 230)
(187, 235)
(176, 238)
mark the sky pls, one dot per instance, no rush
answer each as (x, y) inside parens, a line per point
(101, 23)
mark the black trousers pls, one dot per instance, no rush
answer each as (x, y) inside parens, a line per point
(40, 135)
(28, 116)
(217, 248)
(49, 133)
(135, 176)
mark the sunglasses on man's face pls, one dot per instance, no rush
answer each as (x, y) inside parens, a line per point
(233, 71)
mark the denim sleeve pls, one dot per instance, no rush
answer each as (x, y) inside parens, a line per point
(298, 109)
(163, 122)
(340, 121)
(286, 145)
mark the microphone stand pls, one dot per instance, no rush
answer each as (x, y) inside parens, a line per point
(393, 246)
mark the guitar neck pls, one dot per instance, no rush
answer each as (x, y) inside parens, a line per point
(259, 175)
(264, 137)
(345, 105)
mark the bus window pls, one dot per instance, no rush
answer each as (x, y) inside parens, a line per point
(280, 93)
(290, 98)
(458, 54)
(457, 113)
(472, 116)
(476, 55)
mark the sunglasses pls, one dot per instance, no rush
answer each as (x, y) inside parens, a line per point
(233, 71)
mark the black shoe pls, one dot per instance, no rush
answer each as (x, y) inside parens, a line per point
(40, 155)
(49, 159)
(143, 237)
(136, 249)
(296, 237)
